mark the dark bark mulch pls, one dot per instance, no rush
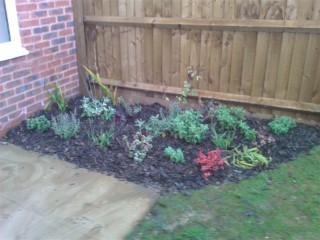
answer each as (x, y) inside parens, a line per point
(156, 170)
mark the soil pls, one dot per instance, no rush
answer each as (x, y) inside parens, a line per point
(156, 170)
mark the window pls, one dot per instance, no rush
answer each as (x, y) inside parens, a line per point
(10, 42)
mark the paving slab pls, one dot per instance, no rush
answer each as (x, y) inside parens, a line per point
(43, 197)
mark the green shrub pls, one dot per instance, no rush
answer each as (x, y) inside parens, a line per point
(282, 125)
(223, 140)
(227, 117)
(175, 155)
(104, 140)
(248, 158)
(158, 124)
(130, 109)
(40, 123)
(233, 118)
(187, 126)
(139, 147)
(249, 134)
(65, 125)
(93, 107)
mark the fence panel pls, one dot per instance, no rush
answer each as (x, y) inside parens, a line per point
(259, 52)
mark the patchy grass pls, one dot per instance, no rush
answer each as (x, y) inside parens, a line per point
(279, 204)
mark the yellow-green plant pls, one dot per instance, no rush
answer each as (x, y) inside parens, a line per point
(56, 97)
(108, 91)
(248, 158)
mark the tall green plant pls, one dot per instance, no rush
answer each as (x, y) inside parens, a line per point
(108, 91)
(57, 97)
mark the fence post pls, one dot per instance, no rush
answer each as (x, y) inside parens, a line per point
(80, 42)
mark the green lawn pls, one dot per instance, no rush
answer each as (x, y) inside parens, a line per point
(279, 204)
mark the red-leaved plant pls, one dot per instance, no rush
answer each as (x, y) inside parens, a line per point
(211, 163)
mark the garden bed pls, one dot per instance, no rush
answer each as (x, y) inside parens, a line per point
(156, 170)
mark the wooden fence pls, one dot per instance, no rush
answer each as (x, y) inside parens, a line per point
(257, 52)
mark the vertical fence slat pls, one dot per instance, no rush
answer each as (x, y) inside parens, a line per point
(124, 43)
(157, 45)
(216, 49)
(227, 45)
(185, 41)
(207, 10)
(176, 44)
(132, 44)
(148, 41)
(116, 53)
(140, 56)
(166, 44)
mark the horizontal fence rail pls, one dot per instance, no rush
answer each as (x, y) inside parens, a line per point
(261, 53)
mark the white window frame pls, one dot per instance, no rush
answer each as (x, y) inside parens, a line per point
(12, 49)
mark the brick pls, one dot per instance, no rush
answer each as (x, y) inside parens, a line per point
(70, 24)
(4, 63)
(6, 94)
(68, 59)
(3, 104)
(26, 7)
(65, 32)
(62, 3)
(10, 68)
(70, 72)
(57, 26)
(13, 83)
(61, 54)
(66, 46)
(58, 41)
(7, 110)
(29, 23)
(56, 12)
(21, 73)
(33, 77)
(42, 45)
(23, 88)
(47, 73)
(73, 51)
(68, 10)
(35, 107)
(16, 99)
(40, 13)
(25, 32)
(63, 18)
(31, 39)
(23, 15)
(48, 20)
(39, 83)
(50, 35)
(71, 38)
(34, 92)
(5, 78)
(46, 5)
(42, 29)
(27, 102)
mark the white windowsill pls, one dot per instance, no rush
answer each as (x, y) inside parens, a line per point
(13, 52)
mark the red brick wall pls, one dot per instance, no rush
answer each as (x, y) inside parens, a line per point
(46, 28)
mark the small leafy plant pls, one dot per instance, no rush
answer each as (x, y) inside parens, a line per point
(130, 109)
(65, 125)
(175, 155)
(188, 126)
(158, 124)
(139, 147)
(210, 163)
(187, 88)
(108, 90)
(248, 133)
(223, 140)
(104, 139)
(40, 123)
(57, 97)
(282, 125)
(93, 107)
(248, 158)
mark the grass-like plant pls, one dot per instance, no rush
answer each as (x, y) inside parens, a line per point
(40, 123)
(65, 125)
(188, 126)
(130, 109)
(109, 91)
(222, 140)
(175, 155)
(248, 158)
(57, 97)
(104, 139)
(282, 125)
